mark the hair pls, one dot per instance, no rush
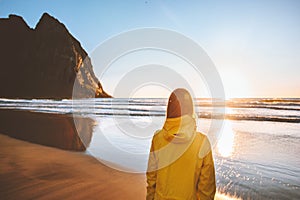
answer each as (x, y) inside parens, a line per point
(180, 103)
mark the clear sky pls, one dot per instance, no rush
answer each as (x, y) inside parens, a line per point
(254, 44)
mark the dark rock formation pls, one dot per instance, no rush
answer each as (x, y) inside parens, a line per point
(55, 130)
(44, 62)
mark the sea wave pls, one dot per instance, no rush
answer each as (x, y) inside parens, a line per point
(276, 110)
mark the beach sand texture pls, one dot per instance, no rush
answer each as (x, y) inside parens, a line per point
(32, 171)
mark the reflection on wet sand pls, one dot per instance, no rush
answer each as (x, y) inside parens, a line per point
(55, 130)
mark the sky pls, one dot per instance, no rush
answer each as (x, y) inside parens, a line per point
(254, 44)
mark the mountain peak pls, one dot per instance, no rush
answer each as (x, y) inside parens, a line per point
(45, 62)
(13, 21)
(47, 22)
(15, 17)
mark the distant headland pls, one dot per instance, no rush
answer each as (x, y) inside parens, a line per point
(44, 62)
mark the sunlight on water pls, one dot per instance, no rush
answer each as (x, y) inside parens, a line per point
(255, 157)
(226, 142)
(224, 196)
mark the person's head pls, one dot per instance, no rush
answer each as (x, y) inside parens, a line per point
(180, 103)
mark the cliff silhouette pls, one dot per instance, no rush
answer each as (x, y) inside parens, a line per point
(44, 62)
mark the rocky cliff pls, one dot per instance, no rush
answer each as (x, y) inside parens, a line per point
(44, 62)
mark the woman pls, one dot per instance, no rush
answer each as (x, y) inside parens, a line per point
(180, 164)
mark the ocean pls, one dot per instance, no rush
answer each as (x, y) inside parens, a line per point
(255, 141)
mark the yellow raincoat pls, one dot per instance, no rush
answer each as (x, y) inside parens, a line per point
(180, 164)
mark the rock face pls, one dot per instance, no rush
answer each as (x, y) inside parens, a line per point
(44, 62)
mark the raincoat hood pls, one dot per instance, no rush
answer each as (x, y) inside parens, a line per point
(180, 129)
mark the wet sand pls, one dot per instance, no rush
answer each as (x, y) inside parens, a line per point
(55, 130)
(32, 171)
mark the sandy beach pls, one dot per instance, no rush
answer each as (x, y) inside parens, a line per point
(31, 171)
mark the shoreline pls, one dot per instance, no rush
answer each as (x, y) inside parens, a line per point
(33, 171)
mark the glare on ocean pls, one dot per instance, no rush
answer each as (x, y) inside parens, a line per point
(226, 141)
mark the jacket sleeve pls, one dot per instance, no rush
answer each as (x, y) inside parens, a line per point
(206, 187)
(151, 174)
